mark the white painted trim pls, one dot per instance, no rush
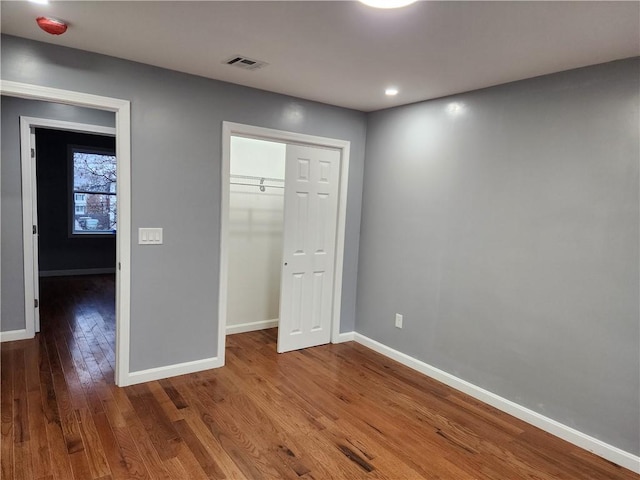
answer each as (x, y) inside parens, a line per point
(28, 252)
(29, 199)
(340, 241)
(251, 326)
(345, 337)
(582, 440)
(79, 271)
(122, 110)
(249, 131)
(67, 97)
(69, 126)
(123, 243)
(185, 368)
(34, 238)
(223, 279)
(13, 335)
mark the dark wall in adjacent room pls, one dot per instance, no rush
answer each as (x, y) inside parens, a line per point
(58, 250)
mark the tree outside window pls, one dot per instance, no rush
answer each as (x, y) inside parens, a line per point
(94, 192)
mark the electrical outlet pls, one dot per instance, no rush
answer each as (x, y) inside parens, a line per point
(398, 320)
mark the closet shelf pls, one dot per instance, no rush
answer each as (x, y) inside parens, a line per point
(250, 177)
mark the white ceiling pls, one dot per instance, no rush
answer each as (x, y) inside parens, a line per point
(342, 52)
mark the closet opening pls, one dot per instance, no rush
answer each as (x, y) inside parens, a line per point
(255, 233)
(282, 236)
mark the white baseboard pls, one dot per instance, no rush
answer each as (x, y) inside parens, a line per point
(159, 373)
(602, 449)
(12, 335)
(80, 271)
(345, 337)
(251, 326)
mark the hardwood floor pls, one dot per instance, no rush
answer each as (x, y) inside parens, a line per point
(336, 411)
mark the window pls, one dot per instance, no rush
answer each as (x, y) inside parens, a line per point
(94, 192)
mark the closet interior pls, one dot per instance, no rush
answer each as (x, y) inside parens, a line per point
(256, 207)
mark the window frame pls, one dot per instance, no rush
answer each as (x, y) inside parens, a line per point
(72, 233)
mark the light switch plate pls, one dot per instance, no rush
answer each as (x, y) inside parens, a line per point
(150, 236)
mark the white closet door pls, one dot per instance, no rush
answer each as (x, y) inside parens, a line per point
(309, 244)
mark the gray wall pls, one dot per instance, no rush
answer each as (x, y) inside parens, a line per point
(503, 223)
(176, 151)
(12, 275)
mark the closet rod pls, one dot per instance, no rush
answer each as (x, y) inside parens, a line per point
(251, 177)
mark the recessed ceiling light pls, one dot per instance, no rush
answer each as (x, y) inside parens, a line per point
(391, 91)
(40, 2)
(456, 108)
(388, 3)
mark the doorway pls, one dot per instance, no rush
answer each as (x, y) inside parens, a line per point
(122, 110)
(313, 226)
(76, 219)
(256, 222)
(60, 159)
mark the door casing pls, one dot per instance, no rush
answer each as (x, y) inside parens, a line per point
(230, 129)
(29, 203)
(122, 110)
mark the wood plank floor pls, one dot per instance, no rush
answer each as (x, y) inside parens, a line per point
(336, 411)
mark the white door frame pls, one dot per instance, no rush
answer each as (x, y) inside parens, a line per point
(29, 203)
(122, 110)
(230, 129)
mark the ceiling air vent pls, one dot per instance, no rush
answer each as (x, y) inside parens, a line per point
(245, 62)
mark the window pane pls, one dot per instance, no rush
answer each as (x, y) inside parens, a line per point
(97, 214)
(94, 199)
